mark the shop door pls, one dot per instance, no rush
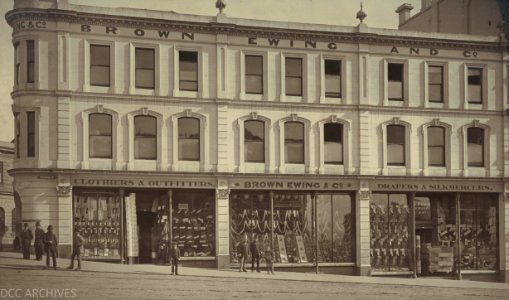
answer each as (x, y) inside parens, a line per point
(146, 221)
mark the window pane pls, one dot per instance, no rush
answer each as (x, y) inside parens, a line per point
(99, 55)
(145, 78)
(395, 90)
(254, 135)
(332, 67)
(294, 131)
(475, 146)
(436, 136)
(254, 84)
(293, 67)
(435, 75)
(395, 134)
(474, 93)
(332, 86)
(254, 65)
(343, 232)
(31, 134)
(395, 154)
(100, 146)
(100, 75)
(145, 58)
(474, 85)
(189, 138)
(395, 72)
(293, 86)
(324, 223)
(436, 156)
(435, 93)
(188, 71)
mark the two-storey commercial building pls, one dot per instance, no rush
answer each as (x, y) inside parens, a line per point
(350, 150)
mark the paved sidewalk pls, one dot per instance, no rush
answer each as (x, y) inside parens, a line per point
(10, 258)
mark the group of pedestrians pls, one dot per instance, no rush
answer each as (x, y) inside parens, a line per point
(256, 254)
(47, 242)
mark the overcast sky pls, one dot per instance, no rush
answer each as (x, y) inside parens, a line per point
(337, 12)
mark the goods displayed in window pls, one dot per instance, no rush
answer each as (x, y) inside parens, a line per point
(389, 221)
(193, 226)
(292, 224)
(97, 216)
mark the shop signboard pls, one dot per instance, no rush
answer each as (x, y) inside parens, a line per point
(141, 182)
(299, 184)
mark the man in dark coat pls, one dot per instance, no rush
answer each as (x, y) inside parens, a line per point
(255, 254)
(76, 249)
(39, 241)
(51, 244)
(175, 258)
(26, 240)
(243, 248)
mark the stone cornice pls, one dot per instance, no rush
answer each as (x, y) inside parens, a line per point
(242, 30)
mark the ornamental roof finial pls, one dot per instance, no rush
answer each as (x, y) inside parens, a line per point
(220, 5)
(361, 15)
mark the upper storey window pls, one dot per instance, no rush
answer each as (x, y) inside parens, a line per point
(100, 145)
(475, 139)
(293, 76)
(16, 63)
(188, 71)
(100, 65)
(145, 68)
(17, 128)
(145, 138)
(436, 83)
(30, 134)
(254, 141)
(333, 143)
(294, 142)
(30, 61)
(474, 85)
(189, 139)
(395, 78)
(436, 146)
(254, 74)
(396, 145)
(332, 78)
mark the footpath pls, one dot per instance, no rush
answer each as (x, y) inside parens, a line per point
(11, 258)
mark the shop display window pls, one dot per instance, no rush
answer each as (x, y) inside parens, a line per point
(193, 226)
(389, 221)
(335, 226)
(97, 216)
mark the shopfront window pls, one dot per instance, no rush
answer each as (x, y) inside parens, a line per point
(254, 141)
(389, 221)
(193, 222)
(97, 216)
(145, 137)
(335, 226)
(294, 142)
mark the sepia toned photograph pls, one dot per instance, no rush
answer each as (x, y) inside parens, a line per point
(254, 149)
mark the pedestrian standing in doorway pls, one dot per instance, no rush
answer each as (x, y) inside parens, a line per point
(175, 258)
(39, 241)
(243, 248)
(26, 240)
(51, 244)
(255, 254)
(76, 249)
(269, 260)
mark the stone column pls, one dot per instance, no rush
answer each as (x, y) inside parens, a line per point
(222, 226)
(64, 227)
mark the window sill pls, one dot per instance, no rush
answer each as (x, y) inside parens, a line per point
(253, 97)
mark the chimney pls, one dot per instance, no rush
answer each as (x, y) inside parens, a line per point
(425, 4)
(404, 12)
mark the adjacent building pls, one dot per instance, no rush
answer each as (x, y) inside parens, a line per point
(8, 215)
(350, 150)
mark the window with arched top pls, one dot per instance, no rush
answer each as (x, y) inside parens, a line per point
(333, 143)
(189, 139)
(436, 146)
(294, 142)
(145, 137)
(100, 135)
(475, 146)
(396, 145)
(254, 141)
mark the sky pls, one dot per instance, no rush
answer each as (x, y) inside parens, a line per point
(335, 12)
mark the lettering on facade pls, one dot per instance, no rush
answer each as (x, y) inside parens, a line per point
(414, 51)
(433, 187)
(154, 183)
(293, 185)
(29, 25)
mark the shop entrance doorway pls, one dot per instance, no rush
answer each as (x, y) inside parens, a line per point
(146, 221)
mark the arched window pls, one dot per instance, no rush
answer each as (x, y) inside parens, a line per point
(396, 145)
(100, 141)
(333, 143)
(189, 139)
(294, 142)
(475, 150)
(254, 141)
(145, 137)
(436, 146)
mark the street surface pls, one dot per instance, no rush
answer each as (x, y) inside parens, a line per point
(113, 282)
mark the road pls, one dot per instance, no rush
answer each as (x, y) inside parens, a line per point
(145, 285)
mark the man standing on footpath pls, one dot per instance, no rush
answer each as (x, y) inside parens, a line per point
(255, 254)
(76, 249)
(39, 241)
(175, 257)
(243, 248)
(26, 239)
(51, 244)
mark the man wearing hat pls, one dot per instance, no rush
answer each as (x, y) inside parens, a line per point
(51, 244)
(26, 239)
(76, 249)
(39, 241)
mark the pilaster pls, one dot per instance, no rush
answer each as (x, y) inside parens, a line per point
(222, 225)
